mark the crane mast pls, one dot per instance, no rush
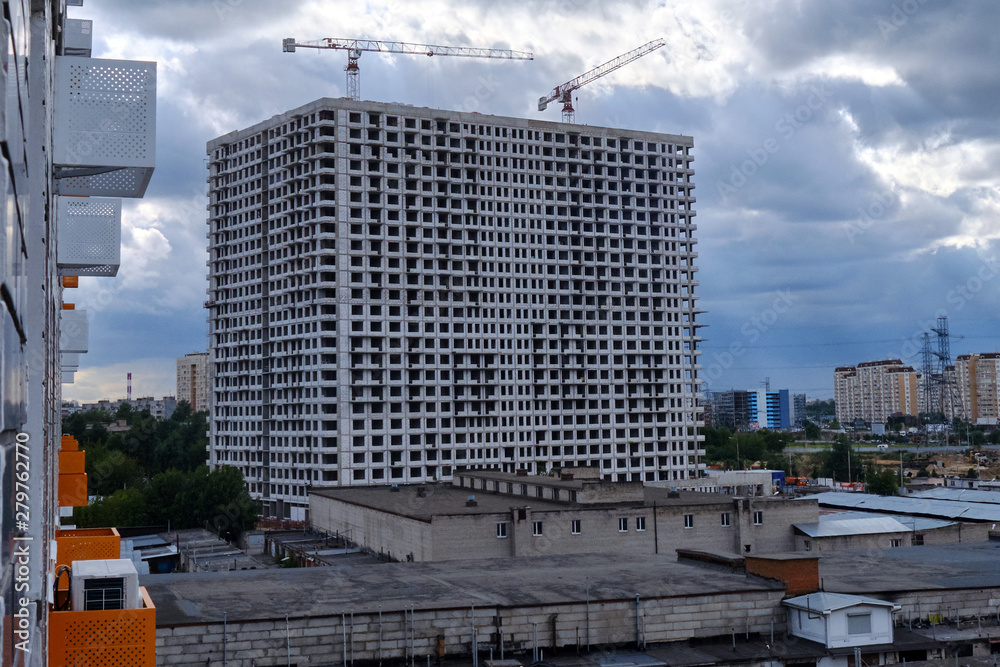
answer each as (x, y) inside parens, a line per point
(355, 47)
(564, 93)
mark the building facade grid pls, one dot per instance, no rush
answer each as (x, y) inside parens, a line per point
(396, 293)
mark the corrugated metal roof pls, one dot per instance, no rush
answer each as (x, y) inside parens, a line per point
(824, 602)
(834, 526)
(963, 495)
(941, 509)
(911, 522)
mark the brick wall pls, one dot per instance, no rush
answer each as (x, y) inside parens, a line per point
(321, 640)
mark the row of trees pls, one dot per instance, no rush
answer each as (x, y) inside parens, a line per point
(155, 474)
(766, 448)
(737, 450)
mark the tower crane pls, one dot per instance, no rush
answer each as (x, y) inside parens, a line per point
(564, 92)
(355, 47)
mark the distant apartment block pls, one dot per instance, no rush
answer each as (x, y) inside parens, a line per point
(977, 383)
(873, 391)
(798, 410)
(398, 291)
(193, 381)
(161, 408)
(756, 409)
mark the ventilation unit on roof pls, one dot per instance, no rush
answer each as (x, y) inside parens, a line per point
(100, 585)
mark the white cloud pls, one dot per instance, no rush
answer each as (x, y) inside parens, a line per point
(151, 376)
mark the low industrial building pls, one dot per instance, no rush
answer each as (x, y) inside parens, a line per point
(487, 514)
(863, 530)
(967, 521)
(837, 620)
(579, 610)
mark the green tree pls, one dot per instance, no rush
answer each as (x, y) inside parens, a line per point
(111, 470)
(126, 507)
(883, 483)
(812, 431)
(842, 463)
(226, 503)
(818, 409)
(773, 441)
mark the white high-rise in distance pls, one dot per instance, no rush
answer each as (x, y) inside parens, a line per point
(397, 292)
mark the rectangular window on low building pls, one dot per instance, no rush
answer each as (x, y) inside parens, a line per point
(640, 523)
(725, 519)
(623, 525)
(758, 518)
(859, 624)
(501, 530)
(574, 526)
(689, 520)
(536, 528)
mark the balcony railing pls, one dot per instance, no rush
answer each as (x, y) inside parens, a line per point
(90, 233)
(104, 126)
(113, 638)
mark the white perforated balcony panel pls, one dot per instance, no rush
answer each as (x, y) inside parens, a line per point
(104, 126)
(90, 236)
(74, 331)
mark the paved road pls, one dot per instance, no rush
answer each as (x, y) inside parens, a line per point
(813, 449)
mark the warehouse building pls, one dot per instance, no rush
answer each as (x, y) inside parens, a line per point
(484, 514)
(592, 610)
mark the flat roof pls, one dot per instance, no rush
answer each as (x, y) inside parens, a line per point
(961, 495)
(844, 527)
(448, 115)
(912, 523)
(886, 571)
(447, 500)
(941, 509)
(203, 597)
(825, 602)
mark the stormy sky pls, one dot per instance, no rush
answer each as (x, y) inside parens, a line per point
(846, 156)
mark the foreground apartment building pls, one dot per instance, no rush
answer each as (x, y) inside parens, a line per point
(398, 292)
(77, 135)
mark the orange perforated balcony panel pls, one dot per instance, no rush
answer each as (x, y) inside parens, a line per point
(114, 638)
(72, 463)
(71, 281)
(73, 490)
(87, 544)
(69, 444)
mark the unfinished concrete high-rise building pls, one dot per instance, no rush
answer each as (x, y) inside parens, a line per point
(399, 292)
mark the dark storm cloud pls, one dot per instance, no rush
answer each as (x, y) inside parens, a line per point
(856, 142)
